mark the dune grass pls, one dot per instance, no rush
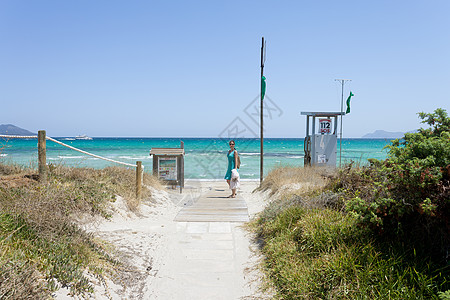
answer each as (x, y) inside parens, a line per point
(304, 180)
(41, 246)
(314, 250)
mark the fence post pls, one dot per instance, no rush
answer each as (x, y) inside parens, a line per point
(138, 179)
(42, 156)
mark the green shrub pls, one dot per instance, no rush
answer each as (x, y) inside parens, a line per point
(408, 194)
(323, 254)
(444, 295)
(391, 240)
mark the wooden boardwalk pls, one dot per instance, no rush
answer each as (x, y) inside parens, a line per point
(214, 206)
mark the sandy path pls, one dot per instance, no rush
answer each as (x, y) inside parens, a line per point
(180, 260)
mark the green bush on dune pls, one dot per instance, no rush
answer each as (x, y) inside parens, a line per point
(323, 254)
(386, 238)
(408, 194)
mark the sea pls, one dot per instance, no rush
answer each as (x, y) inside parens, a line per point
(205, 158)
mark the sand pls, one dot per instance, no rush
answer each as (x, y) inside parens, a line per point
(165, 259)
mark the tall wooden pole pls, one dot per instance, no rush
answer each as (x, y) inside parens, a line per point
(261, 169)
(42, 156)
(340, 132)
(138, 179)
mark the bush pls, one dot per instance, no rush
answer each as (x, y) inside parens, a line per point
(408, 194)
(41, 245)
(322, 254)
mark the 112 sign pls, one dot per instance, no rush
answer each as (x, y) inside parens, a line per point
(324, 126)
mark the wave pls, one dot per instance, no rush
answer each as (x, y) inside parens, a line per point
(3, 155)
(135, 157)
(274, 154)
(248, 153)
(70, 157)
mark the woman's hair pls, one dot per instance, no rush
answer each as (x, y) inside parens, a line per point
(232, 141)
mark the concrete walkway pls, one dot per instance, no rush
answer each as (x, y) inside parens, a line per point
(212, 250)
(209, 264)
(182, 260)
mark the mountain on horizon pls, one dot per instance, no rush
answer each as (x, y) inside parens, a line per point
(380, 134)
(14, 130)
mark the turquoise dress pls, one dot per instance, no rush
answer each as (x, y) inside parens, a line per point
(231, 165)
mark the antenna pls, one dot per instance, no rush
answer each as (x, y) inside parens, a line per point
(342, 81)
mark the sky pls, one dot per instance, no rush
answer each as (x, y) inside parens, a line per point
(192, 68)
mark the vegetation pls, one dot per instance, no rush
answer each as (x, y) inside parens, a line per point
(41, 246)
(374, 232)
(408, 194)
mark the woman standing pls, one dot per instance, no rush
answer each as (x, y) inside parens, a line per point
(232, 156)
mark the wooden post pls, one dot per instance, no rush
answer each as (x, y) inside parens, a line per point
(42, 156)
(138, 179)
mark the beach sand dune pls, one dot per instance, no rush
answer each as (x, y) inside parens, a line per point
(165, 259)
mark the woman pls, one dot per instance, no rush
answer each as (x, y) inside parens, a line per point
(232, 156)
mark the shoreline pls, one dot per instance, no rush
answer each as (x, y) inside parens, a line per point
(218, 180)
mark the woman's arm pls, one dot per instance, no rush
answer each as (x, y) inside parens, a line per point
(235, 159)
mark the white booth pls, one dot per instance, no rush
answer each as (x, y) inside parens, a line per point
(321, 141)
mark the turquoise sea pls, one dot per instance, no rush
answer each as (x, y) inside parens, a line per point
(205, 157)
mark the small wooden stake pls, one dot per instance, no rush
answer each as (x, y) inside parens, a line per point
(138, 179)
(42, 156)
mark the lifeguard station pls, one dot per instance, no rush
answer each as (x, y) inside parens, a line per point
(320, 148)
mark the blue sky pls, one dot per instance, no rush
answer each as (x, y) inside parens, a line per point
(189, 68)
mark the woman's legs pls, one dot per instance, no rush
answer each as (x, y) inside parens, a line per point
(228, 181)
(233, 194)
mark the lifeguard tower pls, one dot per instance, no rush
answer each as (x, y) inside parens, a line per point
(321, 147)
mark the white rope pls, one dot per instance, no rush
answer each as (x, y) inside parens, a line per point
(18, 136)
(65, 145)
(93, 155)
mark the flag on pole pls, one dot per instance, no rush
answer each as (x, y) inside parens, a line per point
(348, 103)
(263, 87)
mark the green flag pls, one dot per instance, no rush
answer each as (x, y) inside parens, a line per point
(348, 103)
(263, 87)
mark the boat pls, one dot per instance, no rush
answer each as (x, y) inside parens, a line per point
(83, 137)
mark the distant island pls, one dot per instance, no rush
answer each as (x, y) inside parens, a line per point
(380, 134)
(14, 130)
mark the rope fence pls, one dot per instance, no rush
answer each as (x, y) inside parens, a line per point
(68, 146)
(42, 156)
(18, 136)
(90, 154)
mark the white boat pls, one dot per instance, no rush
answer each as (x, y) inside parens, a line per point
(83, 137)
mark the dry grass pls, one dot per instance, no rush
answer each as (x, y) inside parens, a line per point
(296, 180)
(41, 245)
(20, 281)
(118, 180)
(10, 169)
